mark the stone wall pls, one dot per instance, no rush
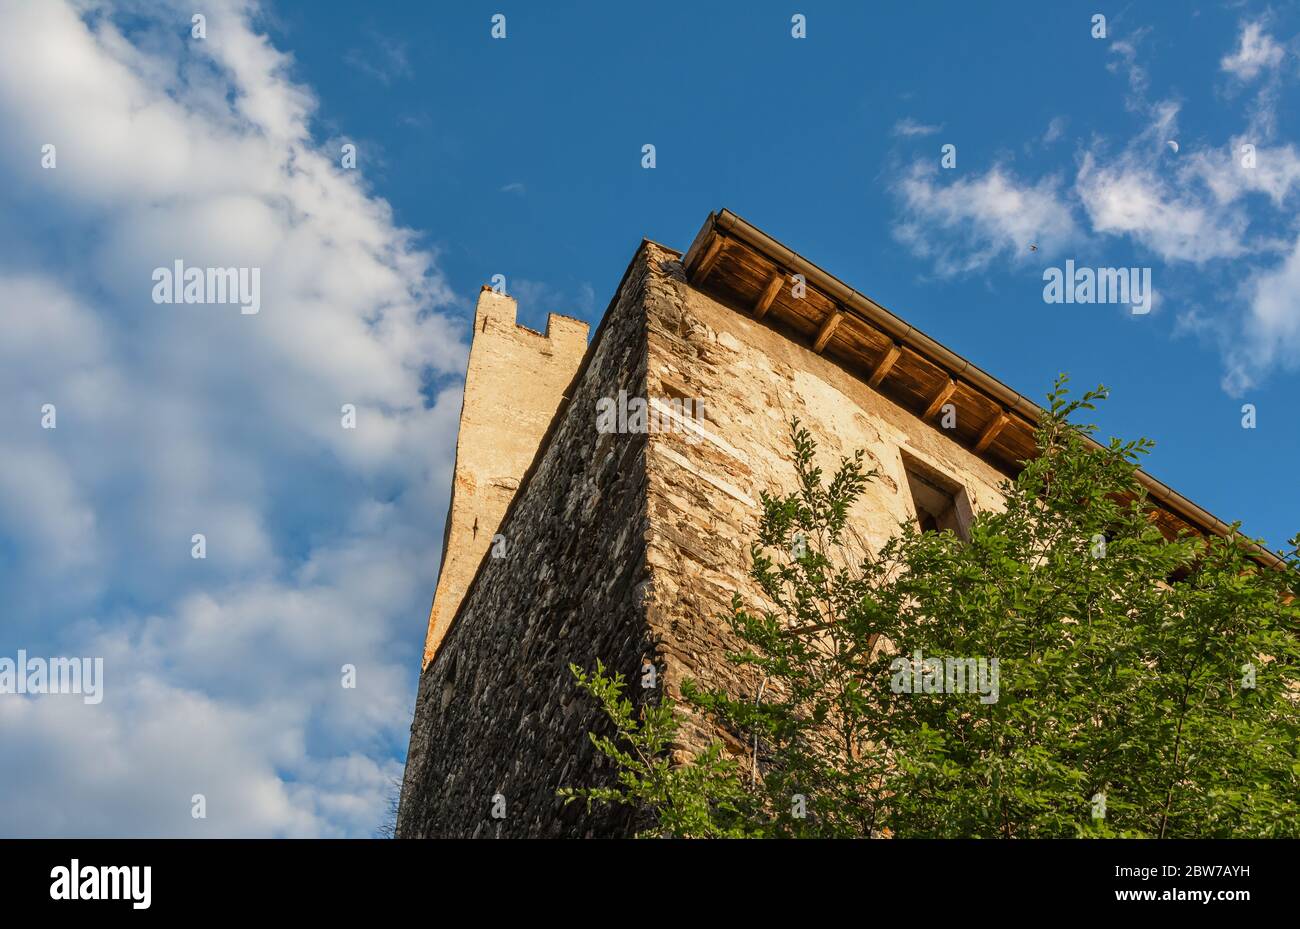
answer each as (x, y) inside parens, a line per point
(497, 710)
(514, 383)
(628, 547)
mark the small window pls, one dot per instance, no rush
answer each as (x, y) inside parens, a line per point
(939, 501)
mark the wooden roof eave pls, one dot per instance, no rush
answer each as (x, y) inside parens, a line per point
(1014, 416)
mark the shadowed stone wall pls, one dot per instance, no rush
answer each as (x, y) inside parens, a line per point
(497, 710)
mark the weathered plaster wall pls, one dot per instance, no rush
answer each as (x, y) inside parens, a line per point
(497, 710)
(704, 483)
(513, 386)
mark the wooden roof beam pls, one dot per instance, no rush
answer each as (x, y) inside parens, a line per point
(885, 364)
(991, 430)
(708, 261)
(940, 398)
(827, 330)
(764, 302)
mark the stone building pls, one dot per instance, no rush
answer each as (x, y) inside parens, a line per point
(570, 541)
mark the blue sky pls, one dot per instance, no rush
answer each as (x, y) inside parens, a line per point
(522, 156)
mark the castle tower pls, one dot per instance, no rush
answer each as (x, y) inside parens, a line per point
(514, 383)
(626, 546)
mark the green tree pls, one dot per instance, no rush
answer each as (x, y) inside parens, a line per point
(1116, 682)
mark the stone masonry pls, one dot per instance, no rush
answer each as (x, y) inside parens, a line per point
(627, 548)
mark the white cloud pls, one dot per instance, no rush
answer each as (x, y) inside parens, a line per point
(384, 58)
(1130, 197)
(1256, 52)
(1127, 61)
(1228, 215)
(1055, 130)
(909, 127)
(1270, 334)
(224, 673)
(1275, 172)
(966, 223)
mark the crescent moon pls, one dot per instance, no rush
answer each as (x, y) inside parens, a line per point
(1172, 144)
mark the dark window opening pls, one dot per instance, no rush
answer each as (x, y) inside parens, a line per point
(940, 502)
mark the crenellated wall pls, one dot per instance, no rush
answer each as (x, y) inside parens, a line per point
(515, 381)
